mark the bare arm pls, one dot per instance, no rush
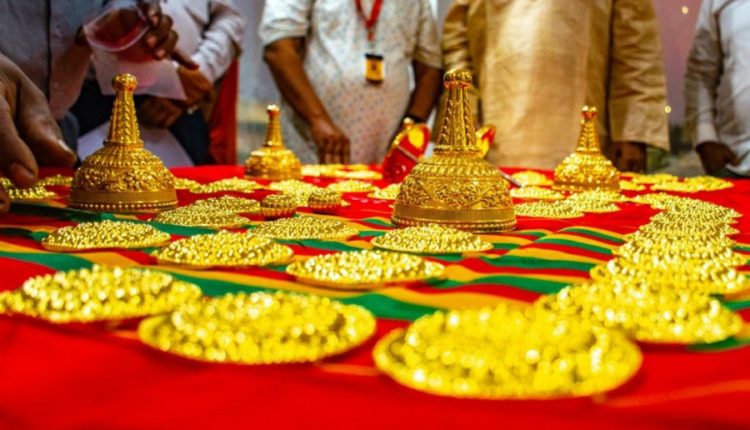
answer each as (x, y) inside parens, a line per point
(426, 90)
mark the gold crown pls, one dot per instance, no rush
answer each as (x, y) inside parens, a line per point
(587, 168)
(456, 187)
(123, 176)
(273, 161)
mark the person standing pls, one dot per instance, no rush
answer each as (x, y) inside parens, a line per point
(717, 88)
(342, 67)
(536, 63)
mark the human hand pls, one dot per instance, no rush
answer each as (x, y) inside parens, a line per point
(197, 87)
(333, 145)
(628, 156)
(715, 155)
(158, 112)
(28, 131)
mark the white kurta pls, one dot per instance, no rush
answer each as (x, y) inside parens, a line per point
(336, 42)
(717, 87)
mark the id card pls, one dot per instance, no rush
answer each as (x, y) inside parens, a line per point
(374, 68)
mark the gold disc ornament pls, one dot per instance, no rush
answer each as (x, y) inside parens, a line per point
(304, 228)
(260, 328)
(273, 160)
(223, 249)
(98, 294)
(431, 239)
(506, 353)
(456, 187)
(201, 216)
(123, 176)
(364, 269)
(104, 235)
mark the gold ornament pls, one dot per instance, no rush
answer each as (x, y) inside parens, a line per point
(260, 328)
(587, 168)
(305, 227)
(123, 176)
(98, 294)
(388, 193)
(55, 181)
(665, 315)
(231, 204)
(531, 178)
(352, 186)
(325, 201)
(186, 184)
(224, 249)
(594, 201)
(536, 193)
(506, 353)
(273, 161)
(276, 206)
(631, 186)
(324, 170)
(298, 189)
(456, 187)
(104, 235)
(558, 210)
(236, 185)
(694, 185)
(363, 270)
(200, 216)
(431, 239)
(655, 178)
(359, 174)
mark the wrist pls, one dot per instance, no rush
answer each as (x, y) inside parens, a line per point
(416, 118)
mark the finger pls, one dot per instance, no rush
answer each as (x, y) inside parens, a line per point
(731, 157)
(152, 10)
(4, 201)
(16, 160)
(38, 128)
(345, 150)
(184, 60)
(161, 38)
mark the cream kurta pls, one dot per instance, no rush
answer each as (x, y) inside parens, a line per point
(537, 62)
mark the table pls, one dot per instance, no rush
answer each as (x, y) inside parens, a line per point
(101, 376)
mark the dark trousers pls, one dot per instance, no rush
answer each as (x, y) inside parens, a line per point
(93, 109)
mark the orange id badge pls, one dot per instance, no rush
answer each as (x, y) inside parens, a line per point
(374, 68)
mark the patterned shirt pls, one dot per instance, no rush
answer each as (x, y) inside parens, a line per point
(336, 43)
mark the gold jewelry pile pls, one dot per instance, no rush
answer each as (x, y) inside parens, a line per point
(236, 205)
(260, 328)
(594, 201)
(388, 193)
(186, 184)
(631, 186)
(237, 185)
(56, 181)
(359, 174)
(317, 170)
(36, 192)
(98, 294)
(364, 269)
(529, 177)
(656, 178)
(197, 215)
(305, 227)
(506, 353)
(325, 201)
(543, 209)
(694, 185)
(352, 186)
(536, 193)
(658, 288)
(223, 249)
(276, 206)
(431, 239)
(104, 235)
(298, 189)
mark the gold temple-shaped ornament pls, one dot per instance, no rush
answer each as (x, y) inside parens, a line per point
(273, 161)
(587, 168)
(123, 176)
(456, 187)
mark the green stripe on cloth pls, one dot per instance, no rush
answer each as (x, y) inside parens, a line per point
(57, 262)
(724, 345)
(377, 222)
(42, 210)
(529, 284)
(537, 263)
(738, 305)
(592, 233)
(574, 244)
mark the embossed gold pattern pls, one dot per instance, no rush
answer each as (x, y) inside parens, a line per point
(587, 168)
(325, 201)
(103, 235)
(278, 206)
(305, 227)
(273, 161)
(32, 193)
(200, 216)
(431, 239)
(456, 187)
(123, 176)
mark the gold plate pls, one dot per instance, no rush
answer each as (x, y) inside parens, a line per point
(352, 186)
(506, 353)
(237, 185)
(223, 249)
(544, 209)
(362, 270)
(260, 328)
(236, 205)
(104, 235)
(197, 216)
(98, 294)
(305, 227)
(536, 193)
(431, 239)
(646, 312)
(388, 193)
(531, 178)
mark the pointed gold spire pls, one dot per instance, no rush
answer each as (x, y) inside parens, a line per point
(123, 176)
(587, 168)
(456, 187)
(273, 161)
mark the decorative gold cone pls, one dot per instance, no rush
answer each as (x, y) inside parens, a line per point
(273, 161)
(123, 176)
(587, 168)
(456, 187)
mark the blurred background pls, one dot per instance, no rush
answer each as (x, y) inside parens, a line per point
(677, 19)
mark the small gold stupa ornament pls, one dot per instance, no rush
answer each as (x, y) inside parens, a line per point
(456, 187)
(123, 176)
(273, 161)
(587, 168)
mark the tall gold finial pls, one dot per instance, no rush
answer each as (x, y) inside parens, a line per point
(273, 161)
(587, 168)
(123, 176)
(456, 187)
